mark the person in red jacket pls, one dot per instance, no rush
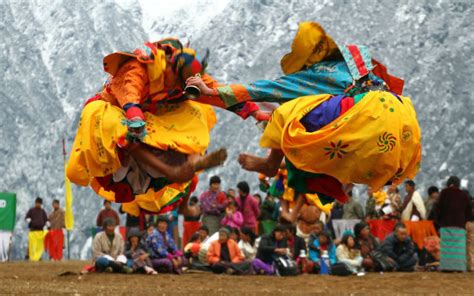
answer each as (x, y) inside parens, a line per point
(248, 206)
(224, 255)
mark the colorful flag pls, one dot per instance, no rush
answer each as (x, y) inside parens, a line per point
(69, 216)
(7, 211)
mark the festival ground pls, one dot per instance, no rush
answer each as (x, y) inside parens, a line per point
(43, 278)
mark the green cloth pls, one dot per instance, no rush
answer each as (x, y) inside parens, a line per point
(453, 249)
(111, 237)
(7, 211)
(297, 179)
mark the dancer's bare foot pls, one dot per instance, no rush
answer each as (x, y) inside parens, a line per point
(213, 159)
(258, 164)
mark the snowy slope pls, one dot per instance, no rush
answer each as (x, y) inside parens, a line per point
(51, 55)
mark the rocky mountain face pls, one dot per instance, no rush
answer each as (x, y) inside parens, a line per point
(51, 61)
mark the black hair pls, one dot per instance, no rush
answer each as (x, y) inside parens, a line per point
(410, 182)
(214, 180)
(453, 181)
(291, 228)
(106, 201)
(56, 201)
(244, 187)
(433, 189)
(280, 228)
(250, 233)
(327, 235)
(345, 238)
(194, 237)
(193, 199)
(398, 226)
(39, 200)
(205, 228)
(359, 227)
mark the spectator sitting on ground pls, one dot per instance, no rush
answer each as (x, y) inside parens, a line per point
(224, 255)
(203, 233)
(233, 218)
(430, 255)
(348, 253)
(400, 249)
(271, 246)
(108, 250)
(191, 250)
(107, 212)
(413, 208)
(247, 243)
(164, 253)
(318, 247)
(366, 243)
(248, 206)
(317, 229)
(137, 257)
(296, 244)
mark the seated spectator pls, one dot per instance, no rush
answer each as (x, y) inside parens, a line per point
(297, 246)
(430, 255)
(108, 248)
(271, 246)
(400, 249)
(366, 243)
(203, 233)
(224, 255)
(164, 254)
(321, 245)
(137, 257)
(247, 243)
(317, 229)
(233, 218)
(234, 233)
(348, 254)
(191, 250)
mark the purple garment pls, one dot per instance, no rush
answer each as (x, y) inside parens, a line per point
(162, 265)
(323, 114)
(259, 266)
(250, 210)
(209, 198)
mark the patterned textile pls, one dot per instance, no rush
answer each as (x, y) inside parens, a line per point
(381, 129)
(161, 245)
(453, 249)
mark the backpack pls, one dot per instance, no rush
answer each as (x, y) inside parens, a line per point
(340, 269)
(286, 266)
(381, 262)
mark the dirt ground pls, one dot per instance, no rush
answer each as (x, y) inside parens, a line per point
(42, 278)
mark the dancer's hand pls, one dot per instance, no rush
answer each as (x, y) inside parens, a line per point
(197, 81)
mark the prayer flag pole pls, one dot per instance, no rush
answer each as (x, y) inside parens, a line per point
(69, 217)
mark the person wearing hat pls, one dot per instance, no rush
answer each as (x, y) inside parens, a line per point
(164, 253)
(339, 106)
(224, 255)
(138, 258)
(271, 246)
(108, 249)
(131, 143)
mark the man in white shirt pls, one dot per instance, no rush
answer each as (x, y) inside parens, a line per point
(413, 208)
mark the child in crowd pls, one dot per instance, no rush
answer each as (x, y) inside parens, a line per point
(320, 246)
(233, 218)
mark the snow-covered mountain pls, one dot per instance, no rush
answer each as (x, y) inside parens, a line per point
(51, 61)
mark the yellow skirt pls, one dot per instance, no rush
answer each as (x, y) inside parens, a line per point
(36, 244)
(376, 141)
(183, 127)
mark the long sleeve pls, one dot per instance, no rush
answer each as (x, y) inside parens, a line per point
(212, 254)
(238, 256)
(387, 248)
(256, 208)
(129, 83)
(419, 204)
(408, 252)
(97, 248)
(332, 254)
(98, 221)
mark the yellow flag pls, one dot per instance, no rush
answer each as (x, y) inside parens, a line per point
(69, 217)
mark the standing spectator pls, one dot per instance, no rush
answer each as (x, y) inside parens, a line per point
(267, 213)
(395, 201)
(233, 218)
(413, 208)
(433, 194)
(400, 249)
(108, 249)
(366, 243)
(55, 236)
(231, 194)
(371, 212)
(37, 220)
(248, 206)
(107, 212)
(271, 246)
(192, 214)
(224, 255)
(247, 243)
(453, 211)
(319, 246)
(164, 253)
(352, 208)
(213, 202)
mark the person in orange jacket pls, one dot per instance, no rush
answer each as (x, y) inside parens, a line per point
(224, 255)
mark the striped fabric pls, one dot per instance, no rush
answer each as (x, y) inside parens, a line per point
(453, 249)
